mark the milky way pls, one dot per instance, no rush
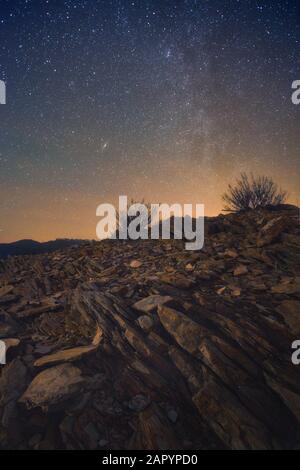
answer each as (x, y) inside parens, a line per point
(163, 100)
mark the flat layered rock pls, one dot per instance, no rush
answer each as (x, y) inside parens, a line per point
(72, 354)
(177, 280)
(149, 304)
(53, 386)
(154, 432)
(185, 331)
(45, 307)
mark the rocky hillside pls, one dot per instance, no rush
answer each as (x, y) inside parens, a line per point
(143, 345)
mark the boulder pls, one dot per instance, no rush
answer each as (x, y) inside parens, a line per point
(272, 229)
(150, 304)
(53, 386)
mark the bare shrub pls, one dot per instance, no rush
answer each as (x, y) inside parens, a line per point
(253, 192)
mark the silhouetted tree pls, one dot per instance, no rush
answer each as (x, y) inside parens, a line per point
(252, 192)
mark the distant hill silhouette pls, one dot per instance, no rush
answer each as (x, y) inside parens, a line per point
(32, 247)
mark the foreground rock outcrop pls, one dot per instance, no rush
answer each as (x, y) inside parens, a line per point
(143, 345)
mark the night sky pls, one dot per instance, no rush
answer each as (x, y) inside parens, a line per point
(163, 100)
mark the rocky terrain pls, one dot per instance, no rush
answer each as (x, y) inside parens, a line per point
(143, 345)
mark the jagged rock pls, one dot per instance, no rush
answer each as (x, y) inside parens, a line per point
(272, 229)
(173, 416)
(290, 310)
(186, 332)
(149, 304)
(154, 432)
(231, 253)
(234, 425)
(240, 270)
(189, 267)
(146, 323)
(290, 398)
(47, 306)
(73, 354)
(139, 403)
(135, 264)
(53, 386)
(177, 280)
(221, 290)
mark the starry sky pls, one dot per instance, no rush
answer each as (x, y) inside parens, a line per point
(158, 99)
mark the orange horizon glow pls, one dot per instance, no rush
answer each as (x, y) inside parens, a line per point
(43, 214)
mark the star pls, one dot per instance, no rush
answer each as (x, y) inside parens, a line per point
(167, 101)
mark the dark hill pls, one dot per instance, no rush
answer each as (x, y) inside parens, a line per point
(32, 247)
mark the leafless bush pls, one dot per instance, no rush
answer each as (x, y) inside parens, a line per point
(252, 192)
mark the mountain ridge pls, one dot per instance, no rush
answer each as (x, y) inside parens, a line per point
(31, 247)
